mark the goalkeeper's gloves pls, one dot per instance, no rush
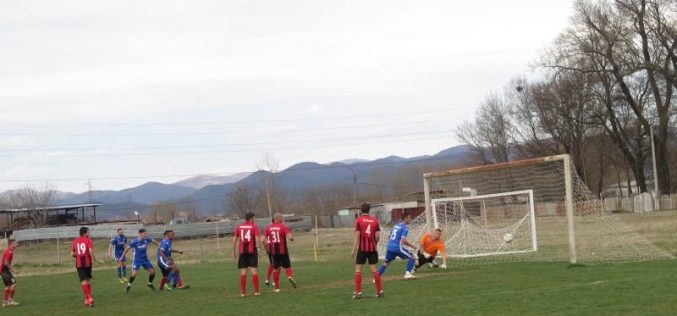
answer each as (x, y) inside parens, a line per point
(426, 255)
(443, 266)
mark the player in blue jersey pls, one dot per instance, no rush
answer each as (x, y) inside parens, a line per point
(170, 273)
(115, 250)
(398, 237)
(140, 247)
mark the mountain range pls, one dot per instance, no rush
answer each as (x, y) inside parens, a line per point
(207, 192)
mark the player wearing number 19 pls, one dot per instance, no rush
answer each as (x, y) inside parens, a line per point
(275, 236)
(249, 239)
(367, 234)
(83, 252)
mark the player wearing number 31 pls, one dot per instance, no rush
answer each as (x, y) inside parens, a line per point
(83, 252)
(249, 239)
(275, 236)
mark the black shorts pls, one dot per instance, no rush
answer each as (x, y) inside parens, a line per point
(250, 260)
(281, 261)
(7, 277)
(364, 257)
(85, 273)
(165, 271)
(423, 260)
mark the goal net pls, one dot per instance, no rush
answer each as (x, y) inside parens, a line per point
(528, 210)
(495, 224)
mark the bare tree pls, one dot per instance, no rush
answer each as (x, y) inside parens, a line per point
(163, 212)
(241, 199)
(269, 166)
(490, 130)
(34, 199)
(629, 46)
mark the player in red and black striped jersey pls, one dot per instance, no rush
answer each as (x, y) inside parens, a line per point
(83, 252)
(275, 236)
(367, 234)
(8, 274)
(247, 240)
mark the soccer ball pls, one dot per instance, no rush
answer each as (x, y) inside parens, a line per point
(507, 238)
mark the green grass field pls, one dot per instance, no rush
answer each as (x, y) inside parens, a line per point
(646, 288)
(48, 284)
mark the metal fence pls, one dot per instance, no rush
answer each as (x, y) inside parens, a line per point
(299, 223)
(644, 202)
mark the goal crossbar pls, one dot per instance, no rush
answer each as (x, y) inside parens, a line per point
(568, 186)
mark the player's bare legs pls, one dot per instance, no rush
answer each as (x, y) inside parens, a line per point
(151, 277)
(255, 280)
(8, 296)
(358, 282)
(87, 291)
(243, 282)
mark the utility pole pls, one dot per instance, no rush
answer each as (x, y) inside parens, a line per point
(89, 191)
(354, 183)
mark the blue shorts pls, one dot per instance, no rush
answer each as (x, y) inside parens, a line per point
(119, 258)
(145, 264)
(402, 253)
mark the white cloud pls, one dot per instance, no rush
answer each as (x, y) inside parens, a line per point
(79, 63)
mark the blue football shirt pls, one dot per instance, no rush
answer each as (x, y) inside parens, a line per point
(140, 248)
(398, 232)
(118, 243)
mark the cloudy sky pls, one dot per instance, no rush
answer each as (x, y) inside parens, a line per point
(125, 92)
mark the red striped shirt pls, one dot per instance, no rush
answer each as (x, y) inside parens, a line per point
(81, 246)
(7, 257)
(367, 226)
(276, 234)
(247, 232)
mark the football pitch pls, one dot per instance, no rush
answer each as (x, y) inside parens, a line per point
(325, 288)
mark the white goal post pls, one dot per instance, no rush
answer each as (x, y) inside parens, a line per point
(474, 218)
(569, 221)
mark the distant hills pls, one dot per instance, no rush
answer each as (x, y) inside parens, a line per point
(207, 193)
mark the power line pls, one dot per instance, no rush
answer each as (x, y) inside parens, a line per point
(225, 132)
(221, 145)
(333, 166)
(238, 121)
(220, 151)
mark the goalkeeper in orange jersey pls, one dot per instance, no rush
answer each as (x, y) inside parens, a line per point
(429, 247)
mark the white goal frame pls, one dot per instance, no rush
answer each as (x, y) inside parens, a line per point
(532, 215)
(568, 184)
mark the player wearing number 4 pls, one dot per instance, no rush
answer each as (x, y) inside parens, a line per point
(83, 252)
(431, 244)
(367, 234)
(275, 236)
(398, 238)
(247, 234)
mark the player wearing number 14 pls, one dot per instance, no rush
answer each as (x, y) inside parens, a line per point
(247, 234)
(83, 252)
